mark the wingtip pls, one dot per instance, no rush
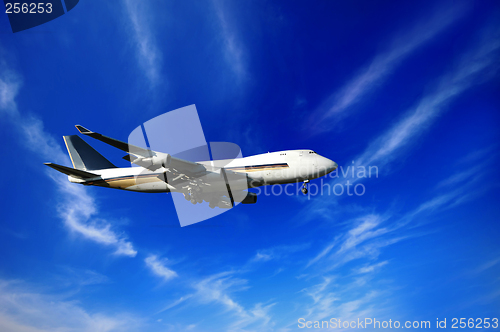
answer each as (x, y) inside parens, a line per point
(83, 130)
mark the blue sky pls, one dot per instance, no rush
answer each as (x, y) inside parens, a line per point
(411, 88)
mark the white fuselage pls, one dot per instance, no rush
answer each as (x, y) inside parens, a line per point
(264, 169)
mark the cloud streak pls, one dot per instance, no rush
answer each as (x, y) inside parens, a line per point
(372, 232)
(336, 106)
(348, 300)
(218, 289)
(363, 240)
(157, 266)
(148, 55)
(22, 310)
(474, 67)
(233, 49)
(277, 253)
(77, 209)
(355, 294)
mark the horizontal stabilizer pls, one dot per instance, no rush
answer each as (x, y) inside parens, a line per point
(73, 172)
(83, 130)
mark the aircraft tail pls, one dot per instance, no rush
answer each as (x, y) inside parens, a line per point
(83, 156)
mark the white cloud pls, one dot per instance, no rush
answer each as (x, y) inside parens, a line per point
(322, 254)
(371, 232)
(436, 202)
(474, 67)
(487, 265)
(148, 55)
(233, 49)
(158, 267)
(22, 310)
(370, 268)
(278, 252)
(380, 67)
(257, 319)
(347, 300)
(175, 303)
(362, 242)
(364, 239)
(77, 209)
(362, 232)
(260, 256)
(461, 187)
(478, 155)
(218, 289)
(460, 177)
(77, 278)
(9, 87)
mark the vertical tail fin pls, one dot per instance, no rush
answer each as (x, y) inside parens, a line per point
(83, 156)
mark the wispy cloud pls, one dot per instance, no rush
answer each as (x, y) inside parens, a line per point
(368, 234)
(474, 67)
(382, 65)
(459, 187)
(370, 268)
(177, 302)
(459, 177)
(364, 239)
(352, 292)
(218, 289)
(478, 155)
(345, 300)
(233, 49)
(9, 87)
(277, 252)
(78, 278)
(159, 268)
(77, 209)
(149, 56)
(360, 245)
(487, 265)
(23, 310)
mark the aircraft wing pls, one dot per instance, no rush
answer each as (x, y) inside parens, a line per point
(147, 158)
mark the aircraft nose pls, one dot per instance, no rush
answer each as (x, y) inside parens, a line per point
(331, 166)
(327, 165)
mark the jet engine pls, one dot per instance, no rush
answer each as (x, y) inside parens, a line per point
(251, 198)
(154, 162)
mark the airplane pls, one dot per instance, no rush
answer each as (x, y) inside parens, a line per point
(221, 183)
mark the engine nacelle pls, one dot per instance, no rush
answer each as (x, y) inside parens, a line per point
(154, 162)
(250, 199)
(161, 161)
